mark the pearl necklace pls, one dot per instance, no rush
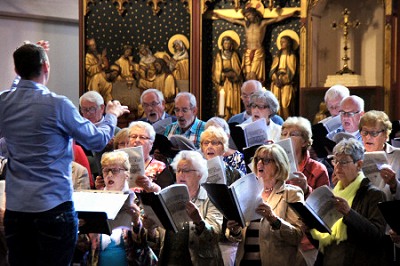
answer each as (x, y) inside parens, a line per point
(268, 189)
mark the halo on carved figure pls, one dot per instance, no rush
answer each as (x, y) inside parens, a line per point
(177, 37)
(231, 33)
(257, 4)
(292, 34)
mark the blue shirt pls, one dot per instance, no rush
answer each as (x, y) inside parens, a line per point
(193, 133)
(38, 127)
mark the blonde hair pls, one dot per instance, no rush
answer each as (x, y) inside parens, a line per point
(116, 157)
(121, 136)
(376, 118)
(215, 133)
(278, 154)
(303, 124)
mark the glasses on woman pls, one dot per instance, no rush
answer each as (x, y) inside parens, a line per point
(114, 171)
(291, 134)
(264, 161)
(371, 133)
(342, 163)
(185, 171)
(259, 106)
(213, 143)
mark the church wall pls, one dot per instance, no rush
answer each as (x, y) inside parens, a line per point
(365, 42)
(22, 20)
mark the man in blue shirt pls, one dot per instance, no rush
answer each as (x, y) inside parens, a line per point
(38, 126)
(187, 123)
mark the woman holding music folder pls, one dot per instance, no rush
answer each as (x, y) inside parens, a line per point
(311, 174)
(375, 128)
(123, 246)
(265, 105)
(213, 143)
(356, 239)
(275, 238)
(197, 242)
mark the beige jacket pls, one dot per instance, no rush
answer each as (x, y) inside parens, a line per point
(278, 247)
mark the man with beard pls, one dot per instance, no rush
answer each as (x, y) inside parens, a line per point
(187, 123)
(164, 81)
(153, 103)
(103, 82)
(94, 61)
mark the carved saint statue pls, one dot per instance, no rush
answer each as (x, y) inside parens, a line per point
(226, 74)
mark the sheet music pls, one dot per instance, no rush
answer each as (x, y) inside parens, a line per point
(109, 202)
(161, 125)
(255, 132)
(332, 123)
(372, 164)
(136, 160)
(287, 145)
(216, 170)
(247, 191)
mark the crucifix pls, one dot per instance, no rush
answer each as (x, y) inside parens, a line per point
(346, 24)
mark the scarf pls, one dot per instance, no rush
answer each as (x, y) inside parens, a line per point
(339, 229)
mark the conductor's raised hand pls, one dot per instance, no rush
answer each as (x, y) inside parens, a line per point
(115, 108)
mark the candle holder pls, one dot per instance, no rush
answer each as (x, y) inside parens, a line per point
(346, 25)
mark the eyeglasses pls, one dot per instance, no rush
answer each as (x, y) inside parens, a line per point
(185, 171)
(371, 133)
(183, 110)
(291, 134)
(213, 143)
(348, 114)
(245, 96)
(114, 171)
(342, 163)
(90, 110)
(333, 107)
(152, 104)
(141, 137)
(264, 161)
(261, 107)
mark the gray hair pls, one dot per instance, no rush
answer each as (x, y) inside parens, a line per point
(355, 99)
(146, 126)
(336, 91)
(190, 96)
(269, 98)
(92, 96)
(258, 86)
(159, 94)
(351, 147)
(197, 160)
(218, 122)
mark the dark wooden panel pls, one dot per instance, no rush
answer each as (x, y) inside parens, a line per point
(311, 97)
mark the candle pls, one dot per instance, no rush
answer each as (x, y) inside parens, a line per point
(221, 102)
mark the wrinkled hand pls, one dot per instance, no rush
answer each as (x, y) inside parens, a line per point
(134, 212)
(394, 236)
(147, 184)
(233, 226)
(265, 211)
(99, 183)
(341, 205)
(389, 176)
(193, 212)
(115, 108)
(300, 181)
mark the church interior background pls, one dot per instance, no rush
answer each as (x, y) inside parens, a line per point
(319, 55)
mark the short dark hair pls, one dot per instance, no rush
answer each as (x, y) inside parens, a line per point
(28, 60)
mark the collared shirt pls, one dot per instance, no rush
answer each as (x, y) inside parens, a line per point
(38, 127)
(356, 134)
(193, 133)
